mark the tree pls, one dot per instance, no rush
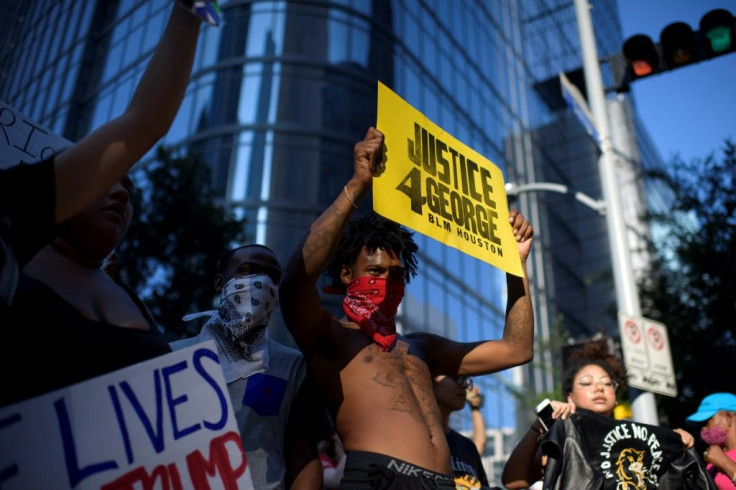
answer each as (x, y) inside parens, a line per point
(691, 286)
(171, 250)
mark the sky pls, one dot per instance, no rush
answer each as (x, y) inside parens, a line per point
(689, 111)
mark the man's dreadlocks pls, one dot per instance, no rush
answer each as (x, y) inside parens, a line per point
(372, 232)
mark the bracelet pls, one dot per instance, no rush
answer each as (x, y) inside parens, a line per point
(474, 407)
(345, 188)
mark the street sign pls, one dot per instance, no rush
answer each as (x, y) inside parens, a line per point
(647, 355)
(575, 100)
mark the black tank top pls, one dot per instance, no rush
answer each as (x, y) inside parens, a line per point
(49, 345)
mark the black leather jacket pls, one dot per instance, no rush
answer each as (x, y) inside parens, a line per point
(590, 451)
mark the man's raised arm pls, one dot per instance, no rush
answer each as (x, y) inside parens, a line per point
(300, 303)
(517, 344)
(518, 332)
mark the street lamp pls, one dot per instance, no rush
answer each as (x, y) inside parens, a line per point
(598, 206)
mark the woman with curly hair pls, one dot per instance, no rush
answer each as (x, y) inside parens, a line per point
(590, 382)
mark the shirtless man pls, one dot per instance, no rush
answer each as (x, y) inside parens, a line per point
(379, 388)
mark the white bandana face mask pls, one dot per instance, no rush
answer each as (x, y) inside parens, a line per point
(246, 305)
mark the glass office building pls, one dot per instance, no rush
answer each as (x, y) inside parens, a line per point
(283, 89)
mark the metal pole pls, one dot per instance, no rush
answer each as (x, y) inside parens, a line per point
(643, 406)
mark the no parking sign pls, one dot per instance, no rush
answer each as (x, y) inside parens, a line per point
(647, 355)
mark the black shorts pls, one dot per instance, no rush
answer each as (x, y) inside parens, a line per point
(372, 471)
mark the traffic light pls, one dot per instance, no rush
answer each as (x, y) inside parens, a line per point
(640, 52)
(716, 27)
(678, 46)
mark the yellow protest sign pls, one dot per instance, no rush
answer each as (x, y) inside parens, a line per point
(440, 187)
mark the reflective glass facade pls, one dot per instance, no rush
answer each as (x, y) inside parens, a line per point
(281, 92)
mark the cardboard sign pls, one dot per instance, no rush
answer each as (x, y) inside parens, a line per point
(22, 140)
(441, 188)
(163, 424)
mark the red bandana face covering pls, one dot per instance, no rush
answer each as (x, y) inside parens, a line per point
(371, 302)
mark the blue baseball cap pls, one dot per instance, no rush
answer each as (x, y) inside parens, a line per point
(712, 404)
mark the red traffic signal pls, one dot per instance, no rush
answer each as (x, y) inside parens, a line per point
(678, 46)
(640, 52)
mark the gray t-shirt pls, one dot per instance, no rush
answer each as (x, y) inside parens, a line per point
(262, 404)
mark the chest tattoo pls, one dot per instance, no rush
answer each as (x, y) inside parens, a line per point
(409, 381)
